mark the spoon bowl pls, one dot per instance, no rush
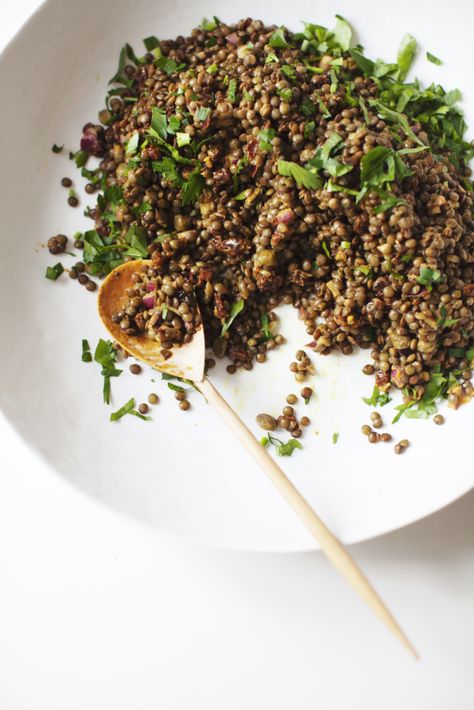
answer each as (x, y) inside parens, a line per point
(186, 361)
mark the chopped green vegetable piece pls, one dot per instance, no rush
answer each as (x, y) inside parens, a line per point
(288, 71)
(342, 33)
(128, 408)
(377, 398)
(309, 129)
(86, 352)
(212, 69)
(192, 187)
(325, 249)
(265, 138)
(288, 448)
(264, 320)
(278, 39)
(132, 144)
(434, 60)
(159, 122)
(237, 308)
(209, 25)
(53, 272)
(151, 43)
(406, 55)
(80, 158)
(57, 148)
(106, 355)
(271, 58)
(307, 107)
(169, 66)
(202, 113)
(231, 90)
(335, 437)
(428, 277)
(183, 139)
(302, 177)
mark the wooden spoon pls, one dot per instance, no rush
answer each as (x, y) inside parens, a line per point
(187, 362)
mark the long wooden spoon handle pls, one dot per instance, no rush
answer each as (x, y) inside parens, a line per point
(330, 545)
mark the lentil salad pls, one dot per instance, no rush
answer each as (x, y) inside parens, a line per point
(257, 166)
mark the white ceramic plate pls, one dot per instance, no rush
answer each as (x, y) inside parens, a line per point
(184, 473)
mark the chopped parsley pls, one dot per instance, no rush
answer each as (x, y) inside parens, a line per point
(128, 408)
(202, 113)
(265, 138)
(434, 60)
(169, 66)
(377, 398)
(57, 148)
(278, 40)
(335, 437)
(231, 90)
(86, 351)
(282, 449)
(302, 176)
(237, 308)
(264, 320)
(106, 355)
(428, 277)
(54, 272)
(209, 25)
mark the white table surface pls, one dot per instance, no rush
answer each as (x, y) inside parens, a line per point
(99, 613)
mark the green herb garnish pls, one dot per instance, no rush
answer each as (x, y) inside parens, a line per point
(278, 39)
(377, 398)
(282, 449)
(86, 352)
(105, 354)
(57, 148)
(335, 437)
(434, 60)
(302, 176)
(237, 308)
(128, 408)
(265, 138)
(53, 272)
(428, 277)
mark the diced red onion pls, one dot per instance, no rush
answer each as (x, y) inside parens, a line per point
(149, 301)
(233, 39)
(285, 216)
(150, 286)
(90, 143)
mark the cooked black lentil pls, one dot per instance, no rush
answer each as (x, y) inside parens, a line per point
(57, 244)
(255, 168)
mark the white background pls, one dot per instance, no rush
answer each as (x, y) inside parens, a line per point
(98, 613)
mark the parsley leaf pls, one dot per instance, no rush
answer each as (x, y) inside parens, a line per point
(106, 355)
(278, 39)
(169, 66)
(265, 138)
(237, 308)
(377, 398)
(53, 272)
(128, 408)
(282, 449)
(264, 320)
(86, 352)
(406, 55)
(159, 122)
(231, 90)
(428, 277)
(57, 148)
(209, 25)
(342, 33)
(434, 60)
(192, 188)
(151, 43)
(302, 177)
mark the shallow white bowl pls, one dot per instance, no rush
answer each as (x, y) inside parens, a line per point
(184, 473)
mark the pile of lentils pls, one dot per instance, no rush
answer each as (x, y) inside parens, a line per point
(255, 166)
(154, 309)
